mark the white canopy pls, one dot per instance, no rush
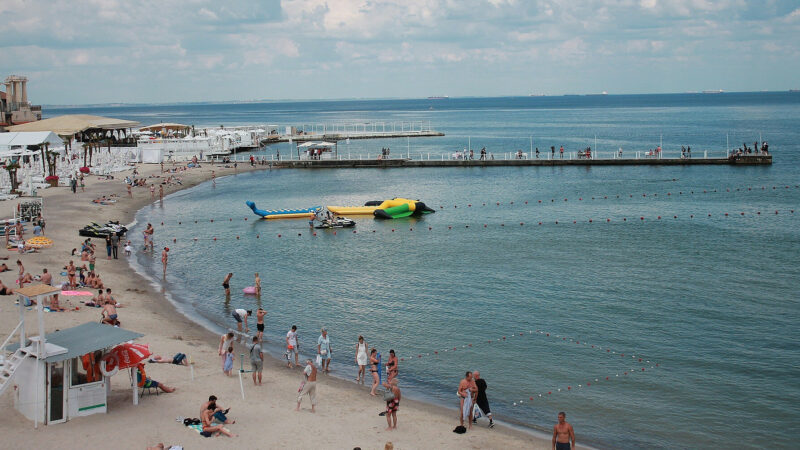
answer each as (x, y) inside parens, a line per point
(317, 144)
(24, 138)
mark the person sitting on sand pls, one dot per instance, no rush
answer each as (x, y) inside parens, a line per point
(206, 417)
(144, 381)
(4, 268)
(109, 314)
(219, 414)
(26, 278)
(5, 290)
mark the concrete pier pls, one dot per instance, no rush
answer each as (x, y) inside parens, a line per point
(388, 163)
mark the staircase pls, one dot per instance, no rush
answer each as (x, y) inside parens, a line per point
(9, 362)
(8, 367)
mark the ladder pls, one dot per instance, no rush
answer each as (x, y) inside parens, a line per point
(9, 362)
(8, 367)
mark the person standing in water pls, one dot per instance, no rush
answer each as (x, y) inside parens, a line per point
(226, 284)
(258, 284)
(164, 259)
(563, 434)
(260, 313)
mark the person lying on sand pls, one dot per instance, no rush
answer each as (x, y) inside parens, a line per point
(179, 360)
(5, 290)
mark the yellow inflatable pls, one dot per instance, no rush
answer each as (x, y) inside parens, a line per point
(370, 210)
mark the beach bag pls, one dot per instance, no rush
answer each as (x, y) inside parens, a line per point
(460, 429)
(319, 360)
(388, 395)
(476, 412)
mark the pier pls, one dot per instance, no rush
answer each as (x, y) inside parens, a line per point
(407, 162)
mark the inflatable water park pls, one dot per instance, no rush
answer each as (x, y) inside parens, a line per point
(395, 208)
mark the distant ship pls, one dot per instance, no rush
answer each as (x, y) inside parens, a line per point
(537, 95)
(593, 95)
(794, 90)
(438, 97)
(718, 91)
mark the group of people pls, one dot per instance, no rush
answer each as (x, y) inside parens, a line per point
(744, 150)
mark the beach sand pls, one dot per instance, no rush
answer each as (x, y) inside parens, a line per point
(346, 417)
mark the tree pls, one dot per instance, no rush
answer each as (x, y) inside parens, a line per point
(12, 167)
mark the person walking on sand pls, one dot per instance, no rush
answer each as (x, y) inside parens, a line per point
(392, 397)
(241, 315)
(465, 396)
(361, 359)
(373, 369)
(224, 342)
(481, 400)
(114, 245)
(108, 246)
(226, 284)
(292, 347)
(227, 368)
(308, 386)
(73, 184)
(563, 434)
(324, 350)
(256, 360)
(164, 259)
(260, 313)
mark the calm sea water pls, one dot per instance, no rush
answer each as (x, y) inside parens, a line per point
(713, 300)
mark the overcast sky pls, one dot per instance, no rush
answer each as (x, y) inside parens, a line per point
(107, 51)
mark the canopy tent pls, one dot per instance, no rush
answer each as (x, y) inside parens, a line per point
(25, 138)
(71, 124)
(317, 145)
(165, 126)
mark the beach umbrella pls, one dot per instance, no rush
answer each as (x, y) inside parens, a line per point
(128, 355)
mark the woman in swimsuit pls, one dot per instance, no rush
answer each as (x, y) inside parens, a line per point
(373, 367)
(5, 290)
(391, 366)
(361, 359)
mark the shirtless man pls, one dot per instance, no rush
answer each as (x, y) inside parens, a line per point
(108, 298)
(71, 274)
(109, 314)
(148, 236)
(465, 394)
(47, 279)
(208, 414)
(309, 385)
(226, 283)
(260, 323)
(563, 434)
(219, 413)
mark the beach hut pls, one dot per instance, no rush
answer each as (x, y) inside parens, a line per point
(56, 376)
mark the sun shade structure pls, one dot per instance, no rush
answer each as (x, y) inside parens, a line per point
(85, 339)
(25, 138)
(165, 126)
(71, 124)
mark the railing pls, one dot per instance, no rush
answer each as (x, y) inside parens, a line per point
(11, 335)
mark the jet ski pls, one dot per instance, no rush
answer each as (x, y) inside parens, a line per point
(96, 230)
(336, 222)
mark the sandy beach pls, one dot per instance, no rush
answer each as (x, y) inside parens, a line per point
(346, 415)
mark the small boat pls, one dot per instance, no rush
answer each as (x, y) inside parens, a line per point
(337, 222)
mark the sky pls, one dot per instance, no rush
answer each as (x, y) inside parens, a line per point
(114, 51)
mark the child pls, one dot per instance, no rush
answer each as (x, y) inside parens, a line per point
(128, 248)
(228, 367)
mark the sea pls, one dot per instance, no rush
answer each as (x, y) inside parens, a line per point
(657, 306)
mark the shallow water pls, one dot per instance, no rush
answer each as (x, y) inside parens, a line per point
(713, 300)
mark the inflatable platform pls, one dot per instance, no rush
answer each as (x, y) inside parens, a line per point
(388, 209)
(283, 213)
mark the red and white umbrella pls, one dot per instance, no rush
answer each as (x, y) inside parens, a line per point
(126, 355)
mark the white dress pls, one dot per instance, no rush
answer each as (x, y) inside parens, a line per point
(361, 355)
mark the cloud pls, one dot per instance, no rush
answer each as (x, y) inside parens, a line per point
(190, 46)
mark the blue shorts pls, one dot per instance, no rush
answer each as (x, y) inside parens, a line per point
(237, 317)
(221, 418)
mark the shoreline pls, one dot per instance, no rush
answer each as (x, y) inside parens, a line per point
(168, 330)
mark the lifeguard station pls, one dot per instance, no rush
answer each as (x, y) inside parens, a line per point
(56, 376)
